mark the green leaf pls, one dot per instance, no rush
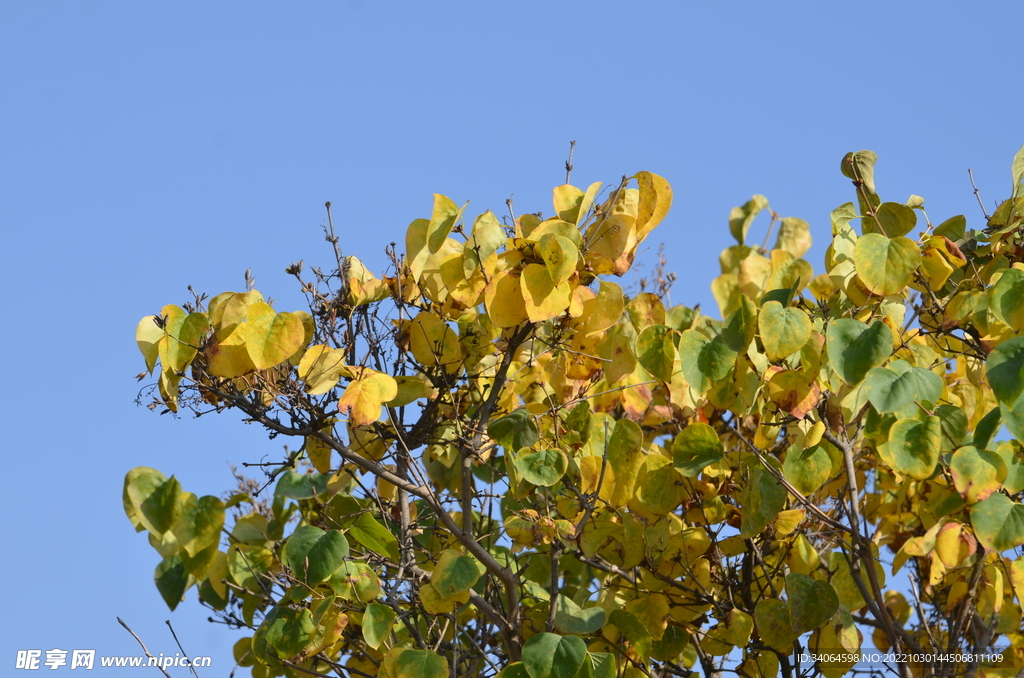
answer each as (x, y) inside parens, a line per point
(808, 468)
(515, 430)
(455, 573)
(1005, 370)
(199, 526)
(854, 348)
(1006, 298)
(704, 361)
(886, 265)
(543, 468)
(783, 330)
(374, 536)
(695, 448)
(324, 552)
(954, 228)
(811, 602)
(171, 580)
(896, 219)
(842, 216)
(580, 421)
(656, 351)
(549, 655)
(139, 484)
(998, 523)
(421, 664)
(773, 624)
(976, 473)
(987, 428)
(514, 670)
(160, 509)
(295, 485)
(894, 387)
(571, 618)
(954, 426)
(913, 447)
(762, 500)
(638, 635)
(740, 327)
(598, 665)
(290, 631)
(377, 622)
(860, 165)
(740, 218)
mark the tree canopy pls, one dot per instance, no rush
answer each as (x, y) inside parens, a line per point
(500, 463)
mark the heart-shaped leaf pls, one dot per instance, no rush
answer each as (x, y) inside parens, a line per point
(898, 385)
(811, 602)
(571, 618)
(783, 330)
(549, 655)
(271, 337)
(854, 348)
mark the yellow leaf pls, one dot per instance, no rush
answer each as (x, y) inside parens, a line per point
(486, 238)
(416, 251)
(610, 243)
(229, 356)
(504, 301)
(364, 397)
(321, 367)
(590, 477)
(434, 603)
(935, 268)
(361, 286)
(147, 336)
(229, 312)
(655, 200)
(271, 337)
(544, 299)
(445, 214)
(560, 256)
(602, 311)
(434, 343)
(411, 389)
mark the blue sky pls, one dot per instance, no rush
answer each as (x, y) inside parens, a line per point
(145, 147)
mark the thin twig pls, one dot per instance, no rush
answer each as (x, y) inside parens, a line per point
(568, 163)
(191, 664)
(977, 194)
(144, 648)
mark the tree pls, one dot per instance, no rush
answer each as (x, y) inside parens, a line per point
(504, 465)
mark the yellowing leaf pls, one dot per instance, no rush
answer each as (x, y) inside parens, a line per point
(228, 310)
(361, 286)
(321, 367)
(486, 238)
(364, 397)
(416, 250)
(560, 257)
(655, 200)
(229, 357)
(433, 342)
(543, 298)
(445, 214)
(504, 301)
(148, 335)
(271, 337)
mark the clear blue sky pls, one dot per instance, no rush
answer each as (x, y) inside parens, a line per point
(148, 146)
